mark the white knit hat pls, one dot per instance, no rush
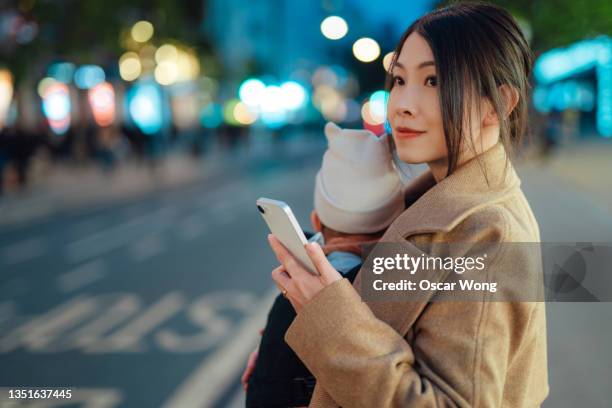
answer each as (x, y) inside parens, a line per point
(357, 189)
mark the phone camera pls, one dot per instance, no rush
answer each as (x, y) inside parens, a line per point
(261, 210)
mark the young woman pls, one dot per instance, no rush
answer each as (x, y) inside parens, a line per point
(458, 102)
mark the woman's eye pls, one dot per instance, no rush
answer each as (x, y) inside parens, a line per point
(398, 80)
(431, 81)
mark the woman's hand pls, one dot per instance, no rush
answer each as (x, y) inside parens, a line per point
(297, 284)
(248, 371)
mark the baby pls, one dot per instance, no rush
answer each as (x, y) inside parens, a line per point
(357, 195)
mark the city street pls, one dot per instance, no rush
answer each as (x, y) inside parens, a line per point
(157, 300)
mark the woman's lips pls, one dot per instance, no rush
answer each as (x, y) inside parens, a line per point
(407, 133)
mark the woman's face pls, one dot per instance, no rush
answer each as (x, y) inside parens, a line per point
(414, 105)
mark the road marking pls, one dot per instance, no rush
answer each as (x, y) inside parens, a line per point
(129, 338)
(123, 308)
(82, 276)
(192, 227)
(23, 251)
(210, 379)
(209, 314)
(147, 247)
(38, 333)
(89, 225)
(119, 235)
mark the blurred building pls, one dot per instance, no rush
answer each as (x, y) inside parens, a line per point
(577, 79)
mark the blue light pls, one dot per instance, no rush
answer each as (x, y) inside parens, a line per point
(56, 106)
(562, 63)
(274, 119)
(540, 99)
(564, 95)
(61, 71)
(211, 116)
(378, 103)
(88, 76)
(604, 91)
(145, 107)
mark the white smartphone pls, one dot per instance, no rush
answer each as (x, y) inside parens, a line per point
(285, 227)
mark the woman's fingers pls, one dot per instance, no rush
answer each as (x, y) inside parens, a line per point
(292, 267)
(281, 278)
(318, 258)
(282, 255)
(248, 371)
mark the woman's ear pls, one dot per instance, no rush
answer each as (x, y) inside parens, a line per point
(510, 98)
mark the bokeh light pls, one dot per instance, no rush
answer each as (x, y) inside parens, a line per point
(228, 111)
(366, 115)
(142, 31)
(324, 76)
(56, 107)
(251, 91)
(145, 107)
(272, 100)
(166, 73)
(88, 76)
(366, 49)
(387, 59)
(166, 52)
(6, 94)
(102, 101)
(61, 71)
(334, 27)
(378, 106)
(243, 114)
(211, 116)
(129, 66)
(293, 95)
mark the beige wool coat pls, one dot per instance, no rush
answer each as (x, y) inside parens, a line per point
(434, 354)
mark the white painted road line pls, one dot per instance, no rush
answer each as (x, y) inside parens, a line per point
(192, 227)
(147, 247)
(23, 251)
(82, 276)
(119, 235)
(214, 375)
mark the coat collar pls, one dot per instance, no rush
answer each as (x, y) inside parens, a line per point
(439, 207)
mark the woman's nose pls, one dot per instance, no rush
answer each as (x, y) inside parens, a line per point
(407, 104)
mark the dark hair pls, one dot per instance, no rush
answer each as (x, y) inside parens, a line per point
(477, 47)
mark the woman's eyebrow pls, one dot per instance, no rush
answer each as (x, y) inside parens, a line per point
(421, 65)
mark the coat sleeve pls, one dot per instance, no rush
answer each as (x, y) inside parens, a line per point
(363, 362)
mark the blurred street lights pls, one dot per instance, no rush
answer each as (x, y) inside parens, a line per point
(142, 31)
(387, 60)
(334, 27)
(366, 49)
(6, 94)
